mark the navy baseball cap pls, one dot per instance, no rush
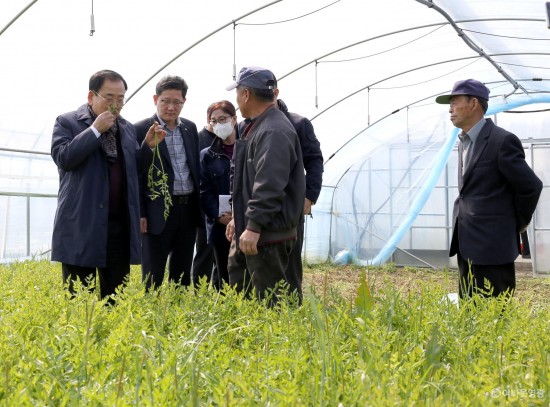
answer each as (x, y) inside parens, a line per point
(469, 87)
(254, 77)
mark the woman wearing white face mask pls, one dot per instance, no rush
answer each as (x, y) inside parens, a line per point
(214, 171)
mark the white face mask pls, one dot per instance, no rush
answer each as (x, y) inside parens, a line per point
(224, 130)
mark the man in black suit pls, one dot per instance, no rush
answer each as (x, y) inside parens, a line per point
(313, 165)
(497, 195)
(169, 220)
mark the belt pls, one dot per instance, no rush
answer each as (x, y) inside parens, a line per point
(181, 199)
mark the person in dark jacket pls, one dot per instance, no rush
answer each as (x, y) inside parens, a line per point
(169, 230)
(203, 263)
(497, 195)
(268, 191)
(215, 166)
(207, 135)
(97, 219)
(313, 165)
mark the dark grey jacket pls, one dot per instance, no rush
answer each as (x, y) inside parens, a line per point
(311, 150)
(268, 181)
(80, 226)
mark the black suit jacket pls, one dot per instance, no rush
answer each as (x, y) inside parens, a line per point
(151, 209)
(496, 199)
(311, 151)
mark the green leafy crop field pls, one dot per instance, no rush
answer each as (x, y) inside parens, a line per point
(378, 336)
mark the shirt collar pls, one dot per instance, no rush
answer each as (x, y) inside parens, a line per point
(474, 131)
(163, 124)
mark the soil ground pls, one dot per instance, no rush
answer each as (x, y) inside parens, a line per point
(345, 279)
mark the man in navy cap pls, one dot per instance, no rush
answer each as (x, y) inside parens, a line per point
(497, 195)
(313, 165)
(268, 191)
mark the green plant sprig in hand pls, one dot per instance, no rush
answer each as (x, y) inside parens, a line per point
(159, 187)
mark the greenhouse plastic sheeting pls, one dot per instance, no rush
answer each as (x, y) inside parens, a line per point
(365, 73)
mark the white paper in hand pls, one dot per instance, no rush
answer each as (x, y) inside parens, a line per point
(224, 204)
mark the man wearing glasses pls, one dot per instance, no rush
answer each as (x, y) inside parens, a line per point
(97, 220)
(170, 211)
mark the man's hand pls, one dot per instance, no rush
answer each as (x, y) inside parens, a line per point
(248, 242)
(230, 230)
(104, 121)
(155, 129)
(307, 206)
(143, 225)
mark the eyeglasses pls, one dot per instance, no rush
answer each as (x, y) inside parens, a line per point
(111, 100)
(220, 120)
(168, 102)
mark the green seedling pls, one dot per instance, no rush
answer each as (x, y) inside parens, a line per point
(159, 188)
(395, 343)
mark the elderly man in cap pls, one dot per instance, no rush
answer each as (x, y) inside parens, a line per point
(268, 191)
(497, 195)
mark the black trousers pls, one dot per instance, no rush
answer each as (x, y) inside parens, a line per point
(220, 275)
(117, 270)
(473, 277)
(294, 269)
(262, 273)
(203, 263)
(176, 241)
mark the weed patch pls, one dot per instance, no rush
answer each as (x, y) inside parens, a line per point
(361, 337)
